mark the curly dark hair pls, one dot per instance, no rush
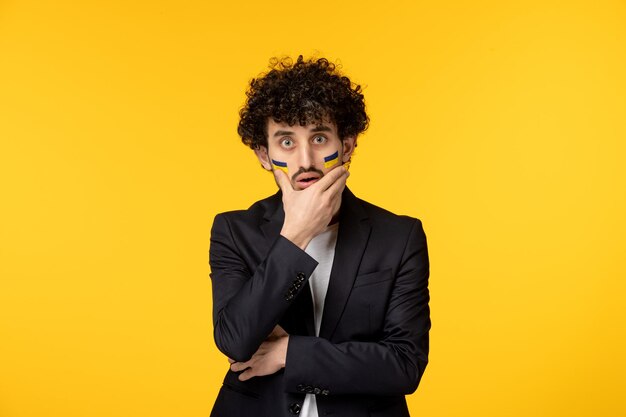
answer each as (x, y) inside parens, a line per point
(305, 92)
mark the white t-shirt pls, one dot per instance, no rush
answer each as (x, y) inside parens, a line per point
(322, 249)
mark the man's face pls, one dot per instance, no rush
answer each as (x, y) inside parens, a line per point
(305, 153)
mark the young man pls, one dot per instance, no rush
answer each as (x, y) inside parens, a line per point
(320, 299)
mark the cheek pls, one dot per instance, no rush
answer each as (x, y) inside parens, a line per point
(279, 163)
(330, 161)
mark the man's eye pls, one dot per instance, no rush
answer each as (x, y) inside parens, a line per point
(287, 143)
(319, 139)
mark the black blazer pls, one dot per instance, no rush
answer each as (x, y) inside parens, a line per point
(373, 344)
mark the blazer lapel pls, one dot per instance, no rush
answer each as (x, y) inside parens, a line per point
(352, 237)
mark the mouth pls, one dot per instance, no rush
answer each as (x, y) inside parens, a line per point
(307, 179)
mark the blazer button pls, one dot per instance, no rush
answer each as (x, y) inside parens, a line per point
(309, 389)
(316, 390)
(289, 296)
(325, 392)
(300, 387)
(294, 408)
(301, 276)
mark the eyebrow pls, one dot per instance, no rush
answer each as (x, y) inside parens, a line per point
(318, 128)
(321, 128)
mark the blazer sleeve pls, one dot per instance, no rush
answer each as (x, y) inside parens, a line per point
(248, 304)
(393, 365)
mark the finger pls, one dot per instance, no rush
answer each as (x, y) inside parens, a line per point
(231, 360)
(239, 366)
(273, 335)
(261, 350)
(280, 331)
(328, 179)
(337, 187)
(244, 376)
(277, 332)
(282, 180)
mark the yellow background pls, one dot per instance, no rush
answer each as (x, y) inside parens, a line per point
(499, 124)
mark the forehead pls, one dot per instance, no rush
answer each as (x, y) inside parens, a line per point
(282, 128)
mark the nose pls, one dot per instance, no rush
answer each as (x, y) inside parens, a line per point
(306, 156)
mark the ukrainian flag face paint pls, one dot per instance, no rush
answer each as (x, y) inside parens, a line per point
(331, 160)
(280, 165)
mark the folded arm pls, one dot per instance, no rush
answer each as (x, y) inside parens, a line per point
(247, 305)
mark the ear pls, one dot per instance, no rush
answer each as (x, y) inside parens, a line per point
(349, 143)
(264, 159)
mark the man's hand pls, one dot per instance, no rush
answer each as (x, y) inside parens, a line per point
(268, 359)
(309, 211)
(278, 332)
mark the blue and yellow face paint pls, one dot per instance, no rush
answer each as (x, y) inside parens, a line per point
(280, 165)
(331, 160)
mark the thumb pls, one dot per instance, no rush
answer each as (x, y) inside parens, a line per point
(277, 332)
(280, 331)
(282, 180)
